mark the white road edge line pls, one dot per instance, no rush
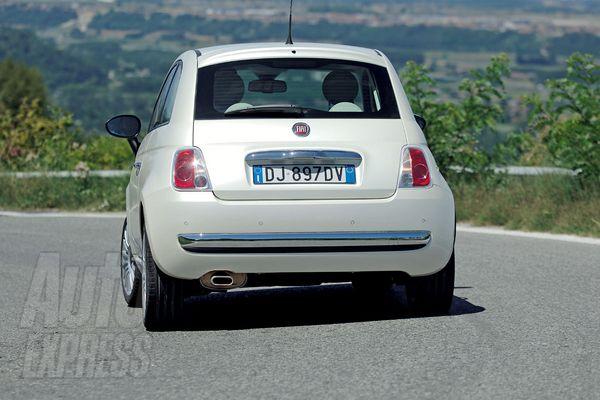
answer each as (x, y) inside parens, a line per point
(531, 235)
(460, 227)
(33, 214)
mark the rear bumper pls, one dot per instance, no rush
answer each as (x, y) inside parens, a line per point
(309, 242)
(411, 232)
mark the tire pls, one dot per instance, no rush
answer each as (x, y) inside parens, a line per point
(162, 296)
(130, 274)
(432, 295)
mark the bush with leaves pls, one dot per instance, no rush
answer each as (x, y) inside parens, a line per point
(105, 152)
(36, 136)
(454, 128)
(33, 139)
(567, 122)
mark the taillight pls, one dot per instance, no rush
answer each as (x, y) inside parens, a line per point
(189, 170)
(415, 171)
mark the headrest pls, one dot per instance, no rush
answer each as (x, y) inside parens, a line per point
(228, 89)
(340, 86)
(345, 106)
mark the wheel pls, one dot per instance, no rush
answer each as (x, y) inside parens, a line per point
(130, 275)
(162, 296)
(432, 295)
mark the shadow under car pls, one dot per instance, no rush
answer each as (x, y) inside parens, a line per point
(297, 306)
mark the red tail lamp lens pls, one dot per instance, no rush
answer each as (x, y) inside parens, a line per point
(184, 170)
(420, 170)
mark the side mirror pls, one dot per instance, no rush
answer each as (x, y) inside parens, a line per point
(125, 127)
(421, 122)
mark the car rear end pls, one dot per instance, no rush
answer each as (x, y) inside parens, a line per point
(301, 163)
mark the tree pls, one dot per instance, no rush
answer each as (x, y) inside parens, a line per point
(567, 122)
(19, 83)
(455, 127)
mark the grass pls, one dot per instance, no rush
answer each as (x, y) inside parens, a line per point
(83, 194)
(537, 203)
(546, 203)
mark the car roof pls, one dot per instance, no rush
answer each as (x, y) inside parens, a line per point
(234, 52)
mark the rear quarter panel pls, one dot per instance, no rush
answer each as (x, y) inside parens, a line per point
(159, 145)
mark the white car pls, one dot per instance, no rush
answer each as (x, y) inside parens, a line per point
(278, 164)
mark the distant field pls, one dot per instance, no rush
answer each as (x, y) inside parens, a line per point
(100, 59)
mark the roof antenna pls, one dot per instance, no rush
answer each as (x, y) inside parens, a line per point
(289, 38)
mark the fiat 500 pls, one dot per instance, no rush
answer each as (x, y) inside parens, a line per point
(273, 164)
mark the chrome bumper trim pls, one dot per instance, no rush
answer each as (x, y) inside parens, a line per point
(285, 157)
(303, 242)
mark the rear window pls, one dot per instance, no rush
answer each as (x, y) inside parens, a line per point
(287, 88)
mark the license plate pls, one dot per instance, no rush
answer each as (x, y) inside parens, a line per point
(295, 174)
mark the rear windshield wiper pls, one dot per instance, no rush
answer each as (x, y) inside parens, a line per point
(264, 111)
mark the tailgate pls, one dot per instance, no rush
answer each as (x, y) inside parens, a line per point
(233, 148)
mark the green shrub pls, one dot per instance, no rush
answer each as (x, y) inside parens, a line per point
(454, 128)
(32, 139)
(105, 152)
(567, 123)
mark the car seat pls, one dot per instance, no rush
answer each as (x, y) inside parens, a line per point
(228, 91)
(340, 88)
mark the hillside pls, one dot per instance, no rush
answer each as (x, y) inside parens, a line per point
(99, 59)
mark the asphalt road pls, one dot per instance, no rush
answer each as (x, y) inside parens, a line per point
(525, 324)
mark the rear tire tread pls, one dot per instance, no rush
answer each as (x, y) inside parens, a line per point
(432, 295)
(165, 297)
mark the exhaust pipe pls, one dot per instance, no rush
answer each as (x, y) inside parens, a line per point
(223, 280)
(218, 280)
